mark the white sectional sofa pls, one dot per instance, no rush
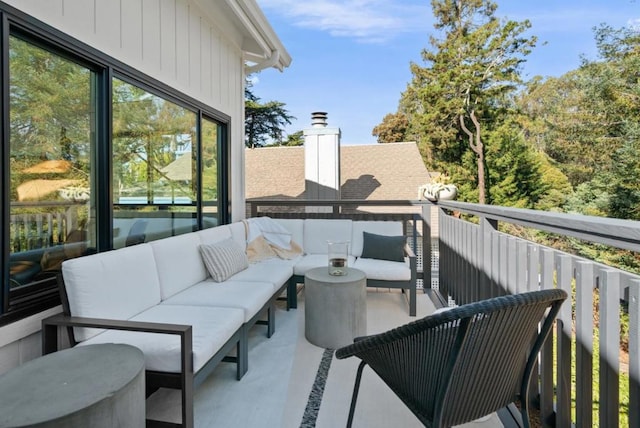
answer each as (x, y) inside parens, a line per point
(313, 235)
(160, 297)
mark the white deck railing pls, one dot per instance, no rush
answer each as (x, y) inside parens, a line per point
(477, 261)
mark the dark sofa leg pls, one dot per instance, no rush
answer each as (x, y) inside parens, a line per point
(49, 338)
(187, 404)
(242, 354)
(412, 301)
(292, 294)
(271, 320)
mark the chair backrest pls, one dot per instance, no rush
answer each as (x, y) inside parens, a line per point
(466, 362)
(137, 233)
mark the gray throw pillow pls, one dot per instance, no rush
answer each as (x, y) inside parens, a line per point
(223, 259)
(383, 247)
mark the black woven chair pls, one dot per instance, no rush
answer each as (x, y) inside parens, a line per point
(461, 364)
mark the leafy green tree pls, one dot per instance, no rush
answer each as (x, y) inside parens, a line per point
(263, 121)
(514, 169)
(50, 108)
(588, 120)
(295, 139)
(468, 77)
(393, 128)
(625, 191)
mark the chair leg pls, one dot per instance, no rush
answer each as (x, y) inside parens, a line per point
(354, 397)
(524, 412)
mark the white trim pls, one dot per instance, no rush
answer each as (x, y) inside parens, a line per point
(273, 51)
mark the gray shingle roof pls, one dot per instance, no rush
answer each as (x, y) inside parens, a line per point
(374, 172)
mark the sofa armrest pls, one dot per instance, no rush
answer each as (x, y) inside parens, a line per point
(186, 377)
(408, 251)
(50, 329)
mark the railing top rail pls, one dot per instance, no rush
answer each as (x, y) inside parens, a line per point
(326, 202)
(624, 234)
(618, 233)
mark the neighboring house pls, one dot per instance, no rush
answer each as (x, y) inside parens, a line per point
(391, 171)
(187, 59)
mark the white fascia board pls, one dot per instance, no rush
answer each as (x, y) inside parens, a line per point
(263, 46)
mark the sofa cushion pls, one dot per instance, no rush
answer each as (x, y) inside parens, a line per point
(214, 234)
(310, 261)
(212, 328)
(318, 232)
(223, 259)
(273, 272)
(295, 226)
(239, 233)
(383, 247)
(245, 295)
(179, 263)
(384, 270)
(387, 228)
(115, 284)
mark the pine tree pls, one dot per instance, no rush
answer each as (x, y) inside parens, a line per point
(467, 79)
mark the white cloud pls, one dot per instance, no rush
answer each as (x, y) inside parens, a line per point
(368, 21)
(634, 24)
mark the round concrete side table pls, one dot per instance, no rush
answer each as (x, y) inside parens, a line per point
(96, 386)
(335, 307)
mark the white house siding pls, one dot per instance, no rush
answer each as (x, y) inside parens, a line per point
(188, 45)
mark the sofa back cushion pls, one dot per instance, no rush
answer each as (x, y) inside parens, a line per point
(239, 234)
(214, 234)
(179, 263)
(295, 226)
(386, 228)
(317, 232)
(116, 284)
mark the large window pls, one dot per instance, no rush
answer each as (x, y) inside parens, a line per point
(50, 150)
(94, 156)
(212, 135)
(154, 168)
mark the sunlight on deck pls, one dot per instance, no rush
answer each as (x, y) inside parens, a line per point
(275, 392)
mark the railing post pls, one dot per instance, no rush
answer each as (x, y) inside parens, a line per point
(546, 353)
(584, 343)
(487, 228)
(609, 350)
(564, 277)
(426, 245)
(444, 252)
(634, 352)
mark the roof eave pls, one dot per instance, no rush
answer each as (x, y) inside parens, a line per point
(261, 45)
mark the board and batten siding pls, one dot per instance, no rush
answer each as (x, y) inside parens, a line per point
(188, 45)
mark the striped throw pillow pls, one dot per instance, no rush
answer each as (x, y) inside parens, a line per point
(223, 259)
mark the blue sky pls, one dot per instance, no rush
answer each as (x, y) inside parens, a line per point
(351, 57)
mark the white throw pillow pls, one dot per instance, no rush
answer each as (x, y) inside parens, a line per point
(223, 259)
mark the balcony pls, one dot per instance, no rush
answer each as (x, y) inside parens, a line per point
(584, 378)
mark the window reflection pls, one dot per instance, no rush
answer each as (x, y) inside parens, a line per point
(210, 209)
(154, 168)
(51, 141)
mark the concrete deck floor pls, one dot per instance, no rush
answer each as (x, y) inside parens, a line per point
(282, 370)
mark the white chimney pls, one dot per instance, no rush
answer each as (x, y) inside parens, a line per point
(321, 159)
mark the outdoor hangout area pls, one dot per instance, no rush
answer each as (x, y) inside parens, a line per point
(215, 286)
(159, 270)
